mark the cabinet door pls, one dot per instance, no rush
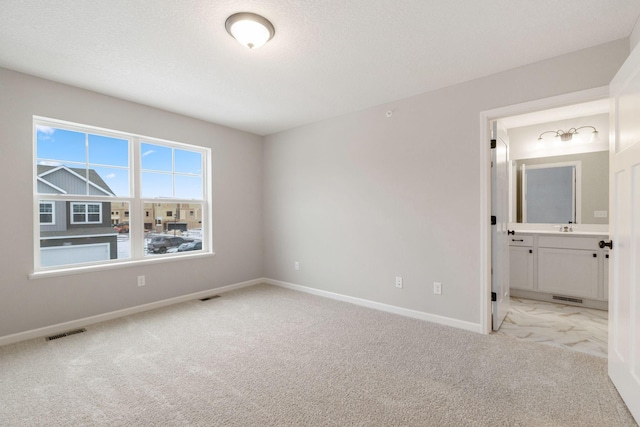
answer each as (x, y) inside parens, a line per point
(569, 272)
(521, 268)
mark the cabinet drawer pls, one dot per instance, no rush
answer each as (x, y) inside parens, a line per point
(562, 242)
(520, 240)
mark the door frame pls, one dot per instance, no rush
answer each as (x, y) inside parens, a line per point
(486, 117)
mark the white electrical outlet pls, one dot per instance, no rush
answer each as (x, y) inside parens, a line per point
(398, 281)
(141, 281)
(296, 266)
(437, 288)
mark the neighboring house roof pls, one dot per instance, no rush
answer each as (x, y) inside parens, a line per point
(46, 172)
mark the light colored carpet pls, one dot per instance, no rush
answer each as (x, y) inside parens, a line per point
(264, 356)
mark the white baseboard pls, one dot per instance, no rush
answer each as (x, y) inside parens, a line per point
(460, 324)
(74, 324)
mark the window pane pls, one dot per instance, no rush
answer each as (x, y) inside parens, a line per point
(176, 233)
(67, 243)
(108, 151)
(156, 157)
(59, 144)
(188, 187)
(156, 185)
(188, 162)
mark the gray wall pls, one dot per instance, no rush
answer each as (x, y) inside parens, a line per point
(362, 198)
(237, 203)
(357, 199)
(595, 182)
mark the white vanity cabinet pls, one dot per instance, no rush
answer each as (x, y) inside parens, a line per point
(559, 267)
(521, 268)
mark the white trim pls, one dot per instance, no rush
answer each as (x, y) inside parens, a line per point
(116, 264)
(448, 321)
(79, 236)
(79, 323)
(45, 182)
(485, 179)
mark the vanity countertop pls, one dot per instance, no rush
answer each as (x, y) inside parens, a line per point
(563, 233)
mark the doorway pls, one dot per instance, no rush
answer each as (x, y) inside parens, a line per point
(559, 162)
(532, 117)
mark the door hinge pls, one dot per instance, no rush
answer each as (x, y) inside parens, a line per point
(494, 220)
(494, 297)
(493, 143)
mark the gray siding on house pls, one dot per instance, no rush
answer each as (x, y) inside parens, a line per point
(59, 217)
(106, 218)
(46, 189)
(71, 183)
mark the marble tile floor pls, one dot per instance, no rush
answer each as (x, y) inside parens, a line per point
(574, 328)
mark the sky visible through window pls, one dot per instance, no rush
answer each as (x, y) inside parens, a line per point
(166, 171)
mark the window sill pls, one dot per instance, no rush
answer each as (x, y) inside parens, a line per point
(117, 265)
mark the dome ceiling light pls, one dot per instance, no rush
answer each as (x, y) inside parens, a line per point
(249, 29)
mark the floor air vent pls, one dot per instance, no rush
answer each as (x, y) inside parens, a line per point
(66, 334)
(208, 298)
(559, 298)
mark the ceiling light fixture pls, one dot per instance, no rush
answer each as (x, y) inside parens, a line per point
(568, 135)
(249, 29)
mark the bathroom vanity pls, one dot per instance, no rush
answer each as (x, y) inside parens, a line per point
(564, 267)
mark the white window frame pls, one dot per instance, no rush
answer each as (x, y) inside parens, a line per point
(86, 212)
(53, 212)
(134, 200)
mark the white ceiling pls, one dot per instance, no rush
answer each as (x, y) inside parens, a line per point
(328, 57)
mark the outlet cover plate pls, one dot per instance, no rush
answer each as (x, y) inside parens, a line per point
(437, 288)
(398, 281)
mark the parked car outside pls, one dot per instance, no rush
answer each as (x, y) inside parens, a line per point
(196, 245)
(122, 227)
(160, 244)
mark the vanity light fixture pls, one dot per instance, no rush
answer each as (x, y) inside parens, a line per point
(249, 29)
(568, 135)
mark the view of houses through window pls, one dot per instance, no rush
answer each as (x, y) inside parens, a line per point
(91, 197)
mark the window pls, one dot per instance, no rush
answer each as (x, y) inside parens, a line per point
(47, 213)
(86, 213)
(549, 193)
(83, 174)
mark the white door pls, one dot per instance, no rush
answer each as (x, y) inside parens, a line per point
(499, 237)
(624, 287)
